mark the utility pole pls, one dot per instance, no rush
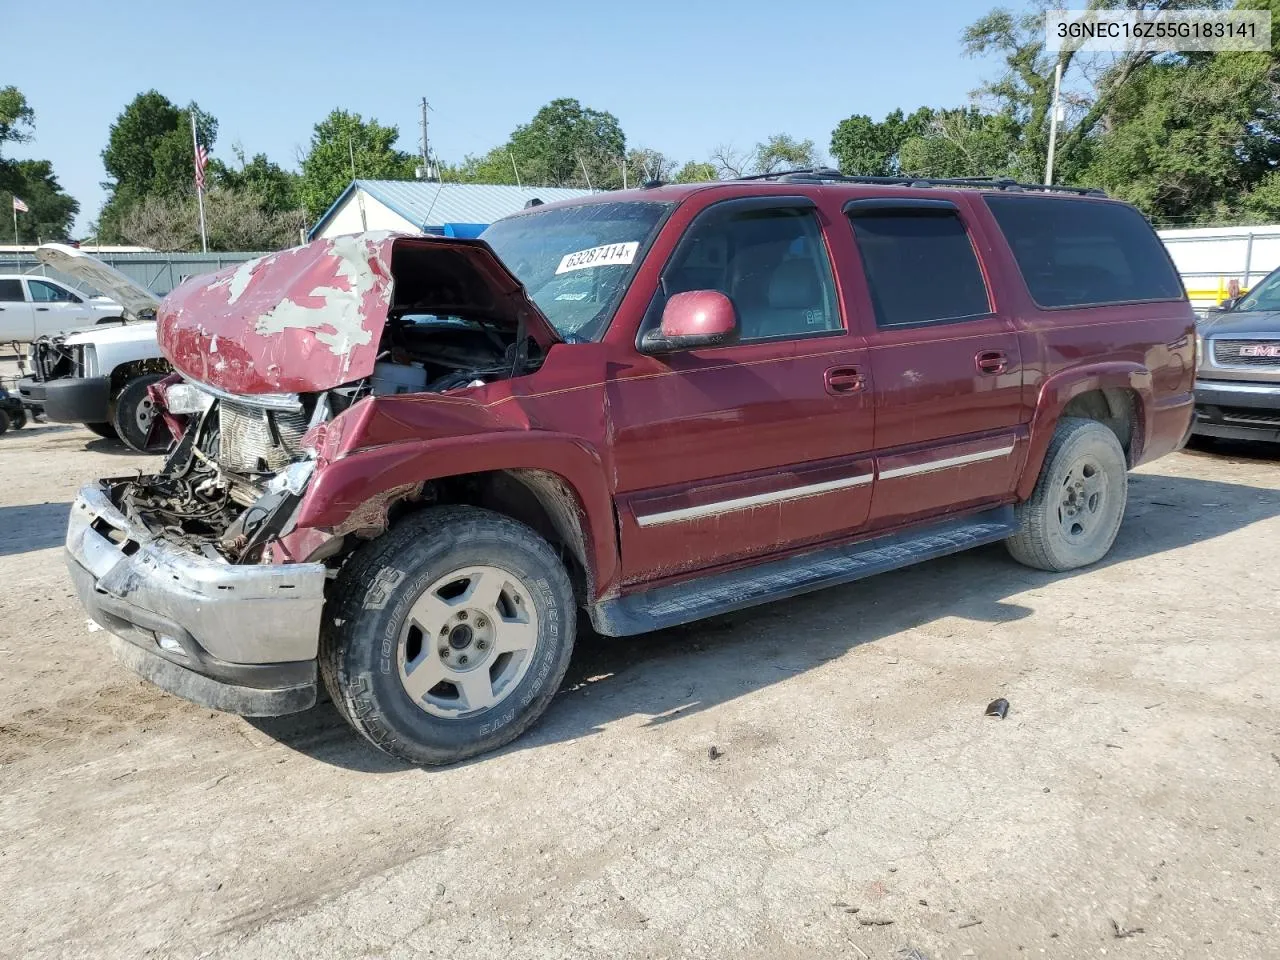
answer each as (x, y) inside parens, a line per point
(1053, 120)
(426, 148)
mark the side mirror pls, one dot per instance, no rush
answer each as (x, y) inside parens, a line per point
(695, 318)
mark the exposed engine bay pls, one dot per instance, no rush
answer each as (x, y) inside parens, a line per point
(235, 479)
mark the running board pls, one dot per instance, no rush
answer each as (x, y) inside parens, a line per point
(723, 593)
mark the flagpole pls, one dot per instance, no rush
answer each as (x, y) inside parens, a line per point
(15, 224)
(195, 148)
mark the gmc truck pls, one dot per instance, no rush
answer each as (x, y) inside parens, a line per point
(409, 462)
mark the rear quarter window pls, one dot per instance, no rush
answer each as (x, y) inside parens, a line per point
(1076, 253)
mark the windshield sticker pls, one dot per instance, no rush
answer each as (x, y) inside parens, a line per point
(608, 255)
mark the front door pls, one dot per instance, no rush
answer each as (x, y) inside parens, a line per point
(55, 308)
(742, 450)
(950, 425)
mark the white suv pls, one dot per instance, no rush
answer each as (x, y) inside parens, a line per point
(31, 307)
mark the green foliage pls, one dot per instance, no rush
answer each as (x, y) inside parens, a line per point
(327, 166)
(569, 145)
(52, 211)
(149, 153)
(695, 172)
(779, 152)
(276, 189)
(862, 146)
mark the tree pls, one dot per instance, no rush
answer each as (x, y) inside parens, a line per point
(235, 221)
(343, 140)
(1024, 91)
(964, 142)
(569, 145)
(17, 125)
(779, 152)
(862, 146)
(275, 188)
(644, 165)
(51, 212)
(695, 172)
(149, 152)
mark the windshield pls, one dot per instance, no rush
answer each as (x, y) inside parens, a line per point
(1264, 296)
(576, 262)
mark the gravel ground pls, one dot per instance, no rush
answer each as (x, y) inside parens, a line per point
(862, 806)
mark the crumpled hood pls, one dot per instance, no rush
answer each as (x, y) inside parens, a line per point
(311, 317)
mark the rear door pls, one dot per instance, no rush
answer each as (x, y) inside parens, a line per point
(950, 424)
(760, 446)
(16, 319)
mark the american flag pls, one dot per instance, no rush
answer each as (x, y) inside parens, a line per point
(20, 207)
(202, 161)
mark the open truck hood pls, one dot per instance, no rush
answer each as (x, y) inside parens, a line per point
(137, 302)
(311, 318)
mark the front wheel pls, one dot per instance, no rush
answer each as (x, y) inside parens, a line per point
(448, 636)
(1074, 513)
(134, 416)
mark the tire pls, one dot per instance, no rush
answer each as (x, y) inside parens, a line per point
(4, 422)
(19, 419)
(404, 603)
(134, 419)
(1074, 513)
(104, 430)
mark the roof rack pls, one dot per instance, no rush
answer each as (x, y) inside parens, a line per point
(827, 175)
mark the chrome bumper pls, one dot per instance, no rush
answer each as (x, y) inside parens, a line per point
(252, 631)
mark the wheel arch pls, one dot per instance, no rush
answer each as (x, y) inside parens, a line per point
(122, 373)
(554, 484)
(1117, 394)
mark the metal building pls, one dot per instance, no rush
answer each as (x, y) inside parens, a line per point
(414, 206)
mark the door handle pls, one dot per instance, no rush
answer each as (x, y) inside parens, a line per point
(991, 362)
(844, 380)
(42, 309)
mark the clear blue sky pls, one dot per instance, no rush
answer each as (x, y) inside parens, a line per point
(681, 77)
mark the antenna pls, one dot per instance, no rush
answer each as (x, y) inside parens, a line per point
(514, 167)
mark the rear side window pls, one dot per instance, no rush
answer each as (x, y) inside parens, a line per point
(1075, 253)
(920, 267)
(11, 291)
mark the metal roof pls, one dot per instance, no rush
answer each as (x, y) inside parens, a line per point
(431, 205)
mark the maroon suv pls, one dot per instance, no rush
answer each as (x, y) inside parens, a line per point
(409, 461)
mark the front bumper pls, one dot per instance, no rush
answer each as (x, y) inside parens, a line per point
(69, 399)
(1237, 410)
(242, 639)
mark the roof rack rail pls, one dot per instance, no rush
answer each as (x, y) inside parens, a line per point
(827, 175)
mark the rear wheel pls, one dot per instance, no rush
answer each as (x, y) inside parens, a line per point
(4, 422)
(1074, 513)
(134, 416)
(104, 430)
(449, 635)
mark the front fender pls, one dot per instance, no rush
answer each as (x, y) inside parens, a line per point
(1063, 387)
(341, 487)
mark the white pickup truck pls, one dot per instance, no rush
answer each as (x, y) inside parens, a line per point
(99, 375)
(31, 307)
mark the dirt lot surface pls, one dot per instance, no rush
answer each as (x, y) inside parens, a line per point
(863, 805)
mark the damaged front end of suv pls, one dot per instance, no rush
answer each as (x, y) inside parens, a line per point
(200, 572)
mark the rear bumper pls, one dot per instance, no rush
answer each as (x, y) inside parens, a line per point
(241, 639)
(69, 399)
(1238, 410)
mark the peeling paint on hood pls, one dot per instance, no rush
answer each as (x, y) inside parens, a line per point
(311, 317)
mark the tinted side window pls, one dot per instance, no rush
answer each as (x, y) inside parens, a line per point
(1082, 252)
(920, 267)
(772, 263)
(42, 292)
(11, 291)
